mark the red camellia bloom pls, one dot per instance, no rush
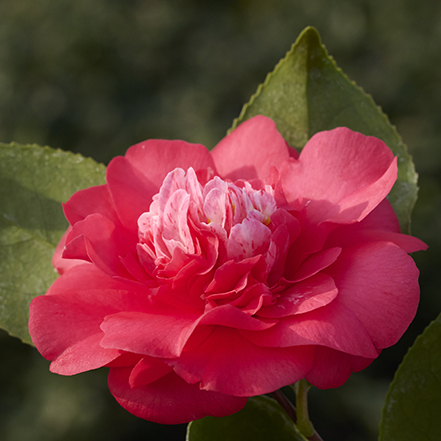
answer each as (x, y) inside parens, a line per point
(203, 278)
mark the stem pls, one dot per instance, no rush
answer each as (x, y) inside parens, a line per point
(289, 408)
(315, 437)
(304, 424)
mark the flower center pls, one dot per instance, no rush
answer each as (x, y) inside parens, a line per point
(183, 211)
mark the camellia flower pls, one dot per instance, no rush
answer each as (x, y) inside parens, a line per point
(203, 278)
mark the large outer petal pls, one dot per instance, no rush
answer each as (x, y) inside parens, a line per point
(158, 334)
(251, 150)
(163, 332)
(332, 368)
(135, 178)
(378, 297)
(378, 282)
(89, 201)
(170, 400)
(228, 363)
(340, 176)
(381, 225)
(333, 325)
(383, 217)
(65, 323)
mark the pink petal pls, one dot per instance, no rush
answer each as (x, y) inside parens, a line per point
(126, 359)
(311, 241)
(340, 176)
(132, 264)
(352, 237)
(175, 226)
(158, 334)
(182, 268)
(248, 239)
(148, 370)
(215, 206)
(381, 225)
(378, 282)
(170, 400)
(136, 177)
(333, 325)
(91, 200)
(287, 230)
(382, 217)
(316, 263)
(75, 306)
(97, 240)
(251, 150)
(228, 363)
(60, 264)
(93, 356)
(87, 277)
(183, 296)
(229, 276)
(305, 296)
(253, 297)
(228, 315)
(332, 368)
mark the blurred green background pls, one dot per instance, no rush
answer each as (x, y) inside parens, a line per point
(96, 76)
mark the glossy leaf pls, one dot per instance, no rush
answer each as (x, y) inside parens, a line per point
(307, 93)
(262, 419)
(413, 403)
(34, 181)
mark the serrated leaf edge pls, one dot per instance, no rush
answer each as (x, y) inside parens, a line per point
(261, 87)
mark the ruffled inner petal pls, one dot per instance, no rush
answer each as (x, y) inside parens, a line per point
(305, 296)
(230, 316)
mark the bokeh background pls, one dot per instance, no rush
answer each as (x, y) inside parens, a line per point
(98, 76)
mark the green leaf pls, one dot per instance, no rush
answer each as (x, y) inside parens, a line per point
(34, 181)
(413, 403)
(307, 93)
(262, 419)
